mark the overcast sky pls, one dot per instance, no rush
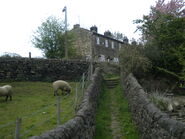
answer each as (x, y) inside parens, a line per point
(20, 18)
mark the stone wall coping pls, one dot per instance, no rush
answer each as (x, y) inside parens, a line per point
(156, 122)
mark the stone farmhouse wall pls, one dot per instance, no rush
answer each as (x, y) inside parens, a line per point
(83, 41)
(82, 126)
(105, 47)
(25, 69)
(152, 123)
(101, 47)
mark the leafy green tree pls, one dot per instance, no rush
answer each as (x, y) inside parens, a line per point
(10, 55)
(125, 40)
(50, 38)
(108, 33)
(121, 37)
(163, 32)
(118, 36)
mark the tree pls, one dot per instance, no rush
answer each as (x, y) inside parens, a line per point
(10, 55)
(50, 37)
(173, 7)
(121, 37)
(133, 42)
(163, 30)
(108, 34)
(125, 40)
(118, 36)
(132, 60)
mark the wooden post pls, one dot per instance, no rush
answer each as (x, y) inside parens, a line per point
(29, 55)
(76, 96)
(18, 128)
(58, 110)
(65, 42)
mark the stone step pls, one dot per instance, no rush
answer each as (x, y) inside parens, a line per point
(110, 87)
(112, 83)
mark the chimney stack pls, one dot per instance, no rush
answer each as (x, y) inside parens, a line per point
(76, 26)
(94, 29)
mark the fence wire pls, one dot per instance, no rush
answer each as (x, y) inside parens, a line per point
(38, 111)
(7, 124)
(37, 125)
(80, 87)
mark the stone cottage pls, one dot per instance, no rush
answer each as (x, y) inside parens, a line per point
(91, 43)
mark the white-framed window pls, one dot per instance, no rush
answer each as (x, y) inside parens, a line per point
(112, 44)
(106, 43)
(97, 40)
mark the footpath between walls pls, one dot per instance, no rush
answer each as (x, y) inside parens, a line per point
(82, 126)
(152, 123)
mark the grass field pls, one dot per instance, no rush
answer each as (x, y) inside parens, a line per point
(35, 104)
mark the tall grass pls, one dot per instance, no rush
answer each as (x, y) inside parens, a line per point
(160, 100)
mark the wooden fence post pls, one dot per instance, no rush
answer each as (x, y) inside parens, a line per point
(18, 128)
(29, 55)
(58, 110)
(76, 97)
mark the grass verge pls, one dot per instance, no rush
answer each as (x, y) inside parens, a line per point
(128, 128)
(103, 116)
(124, 117)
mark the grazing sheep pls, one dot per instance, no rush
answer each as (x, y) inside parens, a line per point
(63, 85)
(6, 90)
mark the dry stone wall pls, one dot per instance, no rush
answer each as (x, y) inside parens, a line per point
(152, 123)
(25, 69)
(82, 126)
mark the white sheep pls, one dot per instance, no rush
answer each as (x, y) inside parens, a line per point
(63, 85)
(6, 90)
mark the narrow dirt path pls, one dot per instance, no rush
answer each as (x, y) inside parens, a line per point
(115, 126)
(113, 119)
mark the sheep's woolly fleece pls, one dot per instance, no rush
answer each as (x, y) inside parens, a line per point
(63, 85)
(6, 90)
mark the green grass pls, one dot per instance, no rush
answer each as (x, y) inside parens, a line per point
(111, 76)
(124, 117)
(35, 104)
(103, 116)
(128, 127)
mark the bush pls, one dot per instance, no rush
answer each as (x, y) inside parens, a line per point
(133, 60)
(160, 100)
